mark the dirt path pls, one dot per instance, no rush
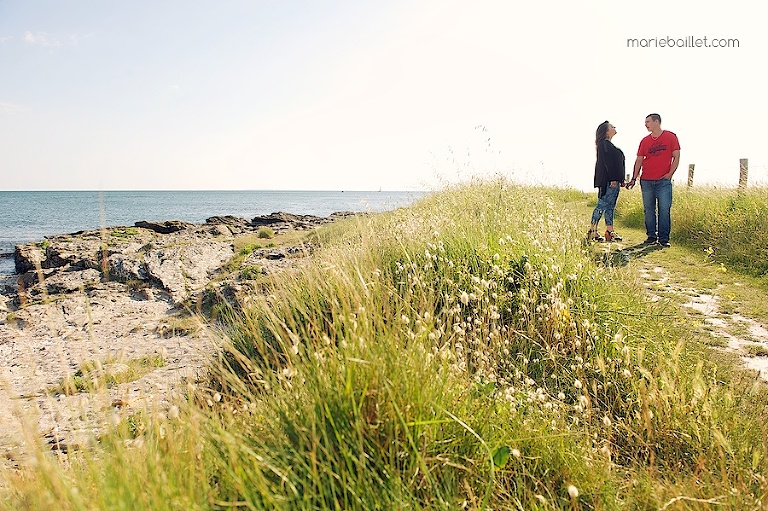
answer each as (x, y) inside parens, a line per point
(731, 332)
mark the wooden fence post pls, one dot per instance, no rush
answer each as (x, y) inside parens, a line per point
(690, 174)
(743, 171)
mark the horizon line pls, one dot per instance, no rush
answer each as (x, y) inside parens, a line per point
(213, 190)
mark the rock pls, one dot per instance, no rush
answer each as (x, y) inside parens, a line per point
(294, 221)
(218, 230)
(227, 220)
(183, 269)
(124, 267)
(166, 227)
(146, 293)
(304, 249)
(342, 214)
(32, 280)
(178, 257)
(80, 250)
(272, 219)
(69, 281)
(28, 257)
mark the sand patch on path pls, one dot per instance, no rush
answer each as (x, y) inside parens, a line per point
(742, 336)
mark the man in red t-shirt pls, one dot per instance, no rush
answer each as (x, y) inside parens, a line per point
(657, 159)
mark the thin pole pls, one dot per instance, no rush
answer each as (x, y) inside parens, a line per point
(743, 172)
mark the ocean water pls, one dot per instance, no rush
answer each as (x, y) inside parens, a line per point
(30, 216)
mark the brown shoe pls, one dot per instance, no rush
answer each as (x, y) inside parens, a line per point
(593, 235)
(612, 236)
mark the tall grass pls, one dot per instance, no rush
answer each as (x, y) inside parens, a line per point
(728, 224)
(464, 353)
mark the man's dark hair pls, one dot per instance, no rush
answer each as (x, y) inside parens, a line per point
(654, 117)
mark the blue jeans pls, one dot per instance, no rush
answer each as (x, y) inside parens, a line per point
(657, 195)
(606, 204)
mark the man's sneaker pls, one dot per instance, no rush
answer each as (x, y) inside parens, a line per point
(650, 241)
(613, 236)
(665, 244)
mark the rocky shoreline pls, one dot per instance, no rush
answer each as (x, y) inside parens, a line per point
(113, 296)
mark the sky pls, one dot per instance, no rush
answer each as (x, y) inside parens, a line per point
(369, 95)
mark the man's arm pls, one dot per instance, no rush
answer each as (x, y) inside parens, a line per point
(636, 171)
(638, 164)
(675, 163)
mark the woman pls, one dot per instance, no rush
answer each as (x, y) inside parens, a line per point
(609, 178)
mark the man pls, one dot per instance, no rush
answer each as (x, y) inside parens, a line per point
(657, 159)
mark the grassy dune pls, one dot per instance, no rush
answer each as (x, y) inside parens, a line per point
(465, 353)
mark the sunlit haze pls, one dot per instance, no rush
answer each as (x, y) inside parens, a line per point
(364, 95)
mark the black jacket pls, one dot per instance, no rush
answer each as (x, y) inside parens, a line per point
(609, 166)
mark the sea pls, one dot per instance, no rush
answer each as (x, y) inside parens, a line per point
(27, 216)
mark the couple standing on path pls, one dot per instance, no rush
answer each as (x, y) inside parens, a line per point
(657, 159)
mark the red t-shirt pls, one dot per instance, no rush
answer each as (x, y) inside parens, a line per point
(658, 154)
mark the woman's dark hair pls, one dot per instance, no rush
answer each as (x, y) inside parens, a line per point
(602, 130)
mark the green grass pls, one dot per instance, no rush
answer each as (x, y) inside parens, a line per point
(181, 324)
(757, 351)
(126, 232)
(251, 272)
(727, 225)
(469, 352)
(266, 232)
(93, 376)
